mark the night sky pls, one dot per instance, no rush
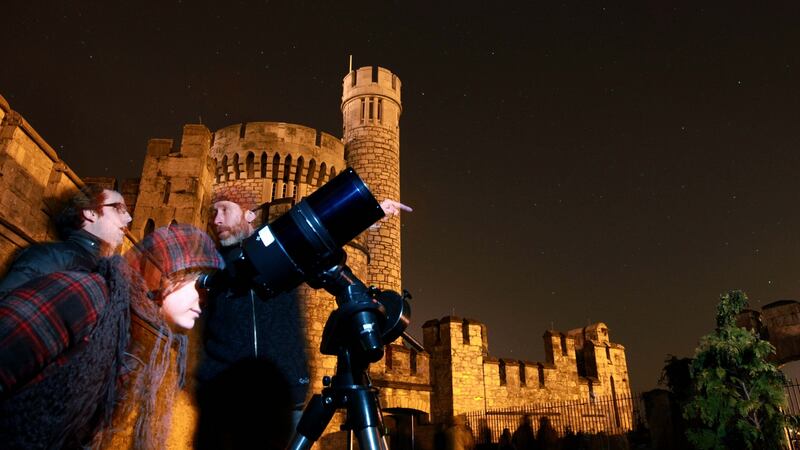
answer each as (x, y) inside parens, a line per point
(569, 163)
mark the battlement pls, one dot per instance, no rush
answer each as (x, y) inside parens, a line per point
(597, 332)
(453, 331)
(374, 81)
(157, 147)
(275, 160)
(260, 133)
(578, 364)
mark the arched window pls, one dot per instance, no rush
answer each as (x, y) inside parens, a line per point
(312, 166)
(249, 165)
(333, 173)
(276, 163)
(502, 367)
(298, 171)
(236, 169)
(323, 169)
(614, 401)
(523, 379)
(287, 169)
(264, 165)
(225, 168)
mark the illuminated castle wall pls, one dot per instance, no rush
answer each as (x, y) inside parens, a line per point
(275, 165)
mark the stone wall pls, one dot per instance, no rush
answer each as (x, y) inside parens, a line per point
(176, 183)
(275, 160)
(779, 323)
(468, 379)
(32, 181)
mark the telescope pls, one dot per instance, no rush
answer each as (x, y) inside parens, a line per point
(305, 245)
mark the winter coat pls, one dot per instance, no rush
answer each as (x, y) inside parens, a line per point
(79, 252)
(242, 324)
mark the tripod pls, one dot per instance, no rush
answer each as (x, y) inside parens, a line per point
(356, 332)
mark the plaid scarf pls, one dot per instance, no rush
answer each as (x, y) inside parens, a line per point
(74, 328)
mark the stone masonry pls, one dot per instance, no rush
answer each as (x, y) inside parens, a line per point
(578, 364)
(273, 165)
(371, 124)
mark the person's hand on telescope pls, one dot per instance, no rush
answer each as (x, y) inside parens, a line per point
(393, 207)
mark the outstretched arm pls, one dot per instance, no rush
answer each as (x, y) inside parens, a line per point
(390, 208)
(393, 207)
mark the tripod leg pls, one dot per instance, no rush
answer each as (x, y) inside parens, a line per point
(370, 439)
(364, 417)
(316, 416)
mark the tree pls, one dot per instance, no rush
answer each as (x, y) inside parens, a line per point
(737, 392)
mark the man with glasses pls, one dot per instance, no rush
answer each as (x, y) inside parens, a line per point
(92, 224)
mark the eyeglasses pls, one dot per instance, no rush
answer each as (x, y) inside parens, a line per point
(119, 206)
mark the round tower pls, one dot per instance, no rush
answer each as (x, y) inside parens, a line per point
(371, 110)
(274, 161)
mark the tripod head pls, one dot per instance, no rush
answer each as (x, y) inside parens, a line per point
(367, 318)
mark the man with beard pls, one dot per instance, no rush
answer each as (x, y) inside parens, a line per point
(92, 224)
(243, 327)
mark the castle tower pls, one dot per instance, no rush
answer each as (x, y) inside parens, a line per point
(271, 162)
(371, 133)
(175, 184)
(601, 359)
(458, 347)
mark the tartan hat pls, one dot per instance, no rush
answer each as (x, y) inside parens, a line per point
(172, 249)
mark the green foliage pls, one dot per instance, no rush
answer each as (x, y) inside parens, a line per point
(737, 392)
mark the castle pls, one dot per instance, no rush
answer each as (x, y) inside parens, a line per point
(275, 165)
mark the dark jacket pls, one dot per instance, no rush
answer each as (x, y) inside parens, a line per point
(243, 325)
(79, 252)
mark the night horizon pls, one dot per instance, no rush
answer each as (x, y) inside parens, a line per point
(566, 164)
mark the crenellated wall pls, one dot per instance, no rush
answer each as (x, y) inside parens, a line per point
(468, 379)
(275, 160)
(404, 377)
